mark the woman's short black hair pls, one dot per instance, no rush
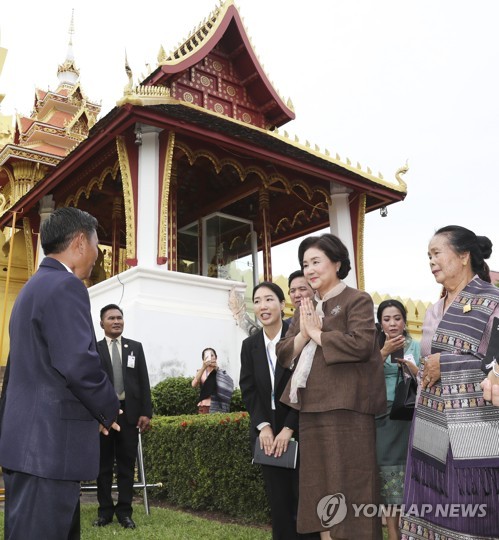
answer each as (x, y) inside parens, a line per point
(332, 246)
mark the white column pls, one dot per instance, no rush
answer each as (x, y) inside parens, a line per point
(47, 206)
(148, 196)
(341, 225)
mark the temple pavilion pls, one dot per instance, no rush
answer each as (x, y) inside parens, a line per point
(193, 179)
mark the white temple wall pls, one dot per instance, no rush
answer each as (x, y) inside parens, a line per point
(175, 316)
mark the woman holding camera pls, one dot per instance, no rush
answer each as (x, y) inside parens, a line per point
(392, 436)
(206, 378)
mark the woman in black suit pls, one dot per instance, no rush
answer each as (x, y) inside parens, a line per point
(262, 382)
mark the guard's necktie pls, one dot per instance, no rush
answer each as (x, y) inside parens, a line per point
(117, 368)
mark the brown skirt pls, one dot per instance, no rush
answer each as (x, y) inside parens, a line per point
(338, 456)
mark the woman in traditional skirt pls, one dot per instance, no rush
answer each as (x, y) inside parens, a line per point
(452, 474)
(392, 436)
(206, 378)
(338, 387)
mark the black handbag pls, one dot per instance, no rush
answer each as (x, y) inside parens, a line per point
(405, 395)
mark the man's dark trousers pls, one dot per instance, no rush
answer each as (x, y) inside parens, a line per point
(48, 494)
(121, 445)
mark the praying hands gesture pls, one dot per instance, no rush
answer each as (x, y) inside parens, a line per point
(310, 322)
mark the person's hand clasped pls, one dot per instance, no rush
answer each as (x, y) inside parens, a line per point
(490, 387)
(267, 440)
(281, 442)
(431, 370)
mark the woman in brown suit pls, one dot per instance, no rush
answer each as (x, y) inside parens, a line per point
(338, 387)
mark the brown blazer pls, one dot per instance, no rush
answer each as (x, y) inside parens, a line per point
(347, 371)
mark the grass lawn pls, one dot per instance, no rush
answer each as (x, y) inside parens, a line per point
(166, 524)
(163, 524)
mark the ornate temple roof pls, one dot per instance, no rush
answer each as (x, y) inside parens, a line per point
(222, 72)
(197, 74)
(216, 65)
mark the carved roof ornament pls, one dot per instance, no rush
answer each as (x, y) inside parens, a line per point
(129, 74)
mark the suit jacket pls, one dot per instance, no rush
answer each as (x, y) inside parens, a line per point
(136, 379)
(57, 391)
(347, 371)
(256, 387)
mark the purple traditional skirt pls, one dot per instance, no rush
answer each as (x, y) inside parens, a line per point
(451, 504)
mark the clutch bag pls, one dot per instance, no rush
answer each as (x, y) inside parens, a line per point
(287, 460)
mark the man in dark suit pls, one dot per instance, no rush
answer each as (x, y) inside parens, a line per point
(124, 361)
(57, 397)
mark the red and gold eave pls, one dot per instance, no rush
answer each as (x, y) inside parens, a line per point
(197, 130)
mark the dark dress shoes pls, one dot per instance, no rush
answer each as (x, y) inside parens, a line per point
(102, 521)
(127, 522)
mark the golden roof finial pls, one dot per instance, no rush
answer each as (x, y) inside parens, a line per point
(67, 72)
(72, 27)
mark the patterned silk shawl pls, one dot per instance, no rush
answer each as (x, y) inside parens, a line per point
(453, 411)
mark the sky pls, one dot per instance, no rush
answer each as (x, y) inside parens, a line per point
(380, 81)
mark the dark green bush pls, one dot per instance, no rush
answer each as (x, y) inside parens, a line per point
(204, 462)
(175, 396)
(236, 403)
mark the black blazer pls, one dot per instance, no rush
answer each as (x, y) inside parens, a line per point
(256, 388)
(136, 379)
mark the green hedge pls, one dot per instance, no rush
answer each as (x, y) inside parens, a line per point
(204, 462)
(176, 396)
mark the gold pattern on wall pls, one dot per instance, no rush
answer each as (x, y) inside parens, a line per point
(28, 239)
(361, 218)
(95, 181)
(126, 176)
(165, 192)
